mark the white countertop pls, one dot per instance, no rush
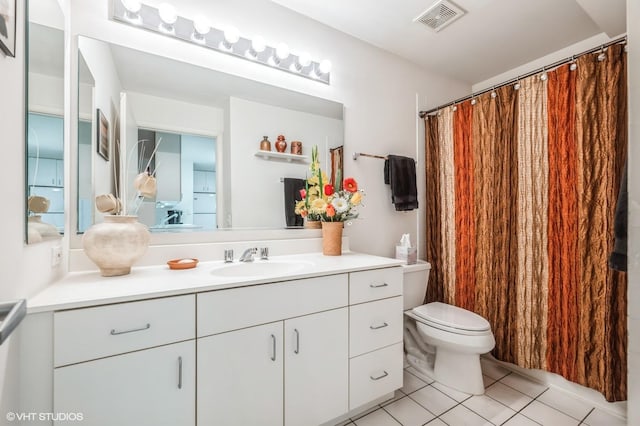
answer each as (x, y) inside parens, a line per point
(83, 289)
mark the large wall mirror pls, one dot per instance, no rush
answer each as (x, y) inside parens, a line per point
(198, 132)
(45, 121)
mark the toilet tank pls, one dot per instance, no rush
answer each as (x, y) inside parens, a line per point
(415, 281)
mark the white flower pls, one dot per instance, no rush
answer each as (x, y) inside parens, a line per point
(340, 204)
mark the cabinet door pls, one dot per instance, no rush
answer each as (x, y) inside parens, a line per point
(199, 184)
(45, 175)
(240, 377)
(149, 387)
(210, 181)
(59, 173)
(316, 367)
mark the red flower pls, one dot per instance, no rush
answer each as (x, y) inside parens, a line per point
(331, 211)
(303, 193)
(350, 185)
(328, 189)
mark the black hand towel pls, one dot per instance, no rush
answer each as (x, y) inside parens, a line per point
(292, 187)
(618, 257)
(400, 173)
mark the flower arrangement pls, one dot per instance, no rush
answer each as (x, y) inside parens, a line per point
(321, 202)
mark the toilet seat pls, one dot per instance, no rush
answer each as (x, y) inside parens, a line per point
(451, 318)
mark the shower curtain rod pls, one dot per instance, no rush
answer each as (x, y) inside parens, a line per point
(549, 67)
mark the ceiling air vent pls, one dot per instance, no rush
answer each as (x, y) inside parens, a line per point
(441, 14)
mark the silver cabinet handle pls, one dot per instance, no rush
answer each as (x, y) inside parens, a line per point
(273, 341)
(378, 285)
(115, 333)
(385, 374)
(297, 349)
(179, 372)
(384, 324)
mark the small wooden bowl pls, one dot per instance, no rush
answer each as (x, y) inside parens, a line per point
(182, 263)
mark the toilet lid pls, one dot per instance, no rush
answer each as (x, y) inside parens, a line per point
(452, 317)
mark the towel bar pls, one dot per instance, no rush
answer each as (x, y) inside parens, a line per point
(11, 314)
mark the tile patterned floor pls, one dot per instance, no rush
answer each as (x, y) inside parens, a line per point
(509, 399)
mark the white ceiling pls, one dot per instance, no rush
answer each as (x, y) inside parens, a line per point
(492, 37)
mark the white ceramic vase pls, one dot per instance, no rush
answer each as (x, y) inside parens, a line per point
(116, 244)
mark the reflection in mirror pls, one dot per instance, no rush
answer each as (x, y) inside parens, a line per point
(45, 121)
(85, 132)
(198, 132)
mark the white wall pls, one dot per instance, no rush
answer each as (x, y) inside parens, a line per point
(24, 270)
(633, 274)
(153, 112)
(106, 98)
(377, 88)
(260, 178)
(46, 94)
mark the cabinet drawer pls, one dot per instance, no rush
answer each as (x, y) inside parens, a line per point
(375, 374)
(374, 325)
(226, 310)
(84, 334)
(376, 284)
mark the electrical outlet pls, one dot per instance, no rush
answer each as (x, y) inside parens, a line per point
(56, 256)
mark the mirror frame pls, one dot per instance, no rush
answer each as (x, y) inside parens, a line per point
(166, 238)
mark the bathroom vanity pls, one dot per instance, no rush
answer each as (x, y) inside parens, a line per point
(306, 342)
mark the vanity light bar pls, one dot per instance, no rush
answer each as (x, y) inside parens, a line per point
(149, 18)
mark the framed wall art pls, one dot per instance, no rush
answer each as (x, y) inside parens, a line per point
(102, 138)
(8, 27)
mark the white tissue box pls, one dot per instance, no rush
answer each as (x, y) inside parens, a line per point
(408, 254)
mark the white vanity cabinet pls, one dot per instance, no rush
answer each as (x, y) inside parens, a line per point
(375, 338)
(128, 363)
(150, 387)
(294, 352)
(296, 369)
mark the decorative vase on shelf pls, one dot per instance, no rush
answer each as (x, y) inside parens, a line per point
(281, 144)
(313, 224)
(332, 238)
(116, 244)
(265, 144)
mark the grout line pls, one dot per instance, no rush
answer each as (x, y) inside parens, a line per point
(588, 414)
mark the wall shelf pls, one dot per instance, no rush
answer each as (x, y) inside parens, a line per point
(282, 156)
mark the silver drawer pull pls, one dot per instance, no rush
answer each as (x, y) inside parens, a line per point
(115, 333)
(378, 285)
(273, 341)
(179, 372)
(384, 324)
(385, 374)
(297, 349)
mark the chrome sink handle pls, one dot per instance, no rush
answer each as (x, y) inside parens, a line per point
(248, 254)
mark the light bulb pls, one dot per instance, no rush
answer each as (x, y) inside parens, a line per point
(132, 6)
(473, 101)
(325, 66)
(168, 13)
(304, 59)
(231, 34)
(494, 95)
(602, 57)
(282, 51)
(201, 25)
(516, 86)
(544, 76)
(573, 66)
(258, 44)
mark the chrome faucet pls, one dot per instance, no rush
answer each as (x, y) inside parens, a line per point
(165, 220)
(248, 254)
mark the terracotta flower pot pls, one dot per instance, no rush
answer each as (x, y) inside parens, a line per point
(332, 238)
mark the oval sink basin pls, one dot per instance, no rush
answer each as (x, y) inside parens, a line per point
(256, 269)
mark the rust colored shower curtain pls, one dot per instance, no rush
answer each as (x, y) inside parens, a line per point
(521, 194)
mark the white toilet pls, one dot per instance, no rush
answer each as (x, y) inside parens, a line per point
(443, 342)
